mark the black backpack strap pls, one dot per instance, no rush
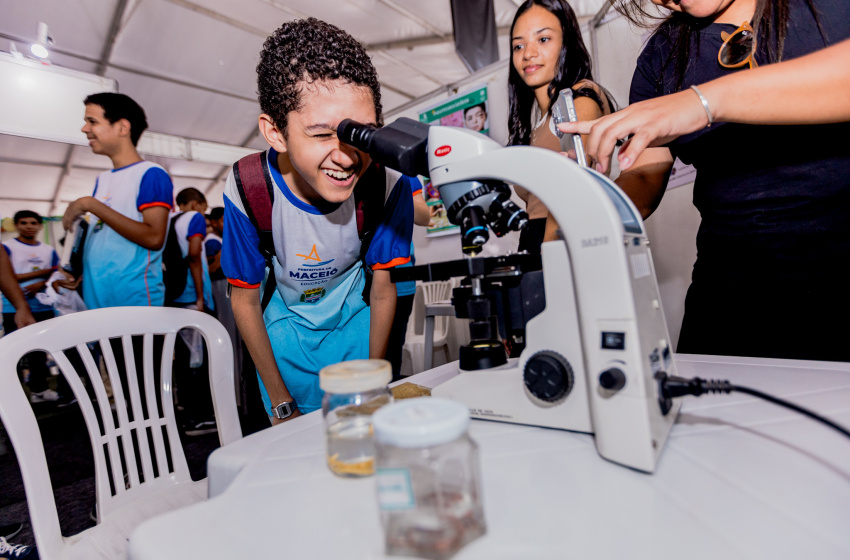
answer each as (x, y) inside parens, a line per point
(256, 189)
(370, 195)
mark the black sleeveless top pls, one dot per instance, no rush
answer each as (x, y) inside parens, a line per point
(774, 200)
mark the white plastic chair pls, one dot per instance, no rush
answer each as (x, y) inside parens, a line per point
(414, 345)
(141, 427)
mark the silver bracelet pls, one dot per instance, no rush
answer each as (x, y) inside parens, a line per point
(704, 102)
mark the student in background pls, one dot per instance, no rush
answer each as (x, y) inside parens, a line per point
(33, 262)
(122, 259)
(191, 228)
(547, 55)
(212, 246)
(21, 317)
(223, 309)
(191, 363)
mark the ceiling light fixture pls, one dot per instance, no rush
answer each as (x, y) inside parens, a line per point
(39, 48)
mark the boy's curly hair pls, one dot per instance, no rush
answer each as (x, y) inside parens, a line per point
(304, 51)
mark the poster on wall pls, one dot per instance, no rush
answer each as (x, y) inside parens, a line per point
(470, 110)
(681, 174)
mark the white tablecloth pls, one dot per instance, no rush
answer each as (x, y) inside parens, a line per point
(739, 478)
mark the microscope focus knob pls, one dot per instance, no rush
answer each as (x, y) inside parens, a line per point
(548, 376)
(612, 379)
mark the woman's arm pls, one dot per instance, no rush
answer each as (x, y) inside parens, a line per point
(811, 89)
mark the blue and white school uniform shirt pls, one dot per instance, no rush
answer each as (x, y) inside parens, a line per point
(212, 245)
(409, 288)
(117, 271)
(317, 315)
(188, 225)
(30, 258)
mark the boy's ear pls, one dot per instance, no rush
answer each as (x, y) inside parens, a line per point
(123, 127)
(272, 134)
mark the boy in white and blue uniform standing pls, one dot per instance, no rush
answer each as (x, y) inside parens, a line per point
(191, 366)
(191, 229)
(311, 76)
(33, 263)
(122, 257)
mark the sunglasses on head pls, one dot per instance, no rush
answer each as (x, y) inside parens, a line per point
(738, 48)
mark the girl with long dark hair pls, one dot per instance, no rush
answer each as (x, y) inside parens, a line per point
(774, 242)
(547, 55)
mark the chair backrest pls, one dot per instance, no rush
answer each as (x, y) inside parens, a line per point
(136, 446)
(434, 292)
(416, 322)
(437, 291)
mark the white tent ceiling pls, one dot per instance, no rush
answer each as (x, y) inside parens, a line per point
(190, 64)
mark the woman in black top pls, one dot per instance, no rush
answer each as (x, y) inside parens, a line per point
(774, 242)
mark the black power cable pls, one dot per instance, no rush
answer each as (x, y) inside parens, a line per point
(672, 386)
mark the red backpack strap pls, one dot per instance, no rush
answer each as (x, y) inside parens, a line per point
(256, 189)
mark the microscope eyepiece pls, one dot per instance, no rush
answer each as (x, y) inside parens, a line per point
(356, 134)
(401, 145)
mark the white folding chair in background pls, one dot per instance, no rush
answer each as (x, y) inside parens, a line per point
(414, 346)
(140, 466)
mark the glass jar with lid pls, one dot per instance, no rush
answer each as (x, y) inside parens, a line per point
(427, 475)
(353, 391)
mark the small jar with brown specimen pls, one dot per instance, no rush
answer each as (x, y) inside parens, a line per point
(427, 478)
(353, 391)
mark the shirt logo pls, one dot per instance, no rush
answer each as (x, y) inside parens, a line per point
(313, 295)
(313, 256)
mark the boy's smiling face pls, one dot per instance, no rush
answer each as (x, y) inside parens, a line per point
(314, 163)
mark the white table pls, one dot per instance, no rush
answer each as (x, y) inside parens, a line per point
(739, 478)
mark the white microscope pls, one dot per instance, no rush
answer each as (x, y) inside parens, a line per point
(594, 355)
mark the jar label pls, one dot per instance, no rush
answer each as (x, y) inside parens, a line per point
(395, 492)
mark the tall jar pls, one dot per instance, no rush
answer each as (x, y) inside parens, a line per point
(353, 391)
(427, 478)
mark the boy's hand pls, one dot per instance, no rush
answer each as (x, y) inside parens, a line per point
(68, 283)
(24, 318)
(32, 289)
(74, 210)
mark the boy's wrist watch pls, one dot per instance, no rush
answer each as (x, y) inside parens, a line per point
(284, 410)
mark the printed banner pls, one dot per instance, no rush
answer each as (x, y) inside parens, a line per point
(467, 110)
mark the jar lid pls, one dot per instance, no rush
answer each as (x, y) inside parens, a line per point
(355, 376)
(420, 422)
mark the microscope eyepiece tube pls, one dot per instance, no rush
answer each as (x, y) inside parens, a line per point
(401, 145)
(355, 134)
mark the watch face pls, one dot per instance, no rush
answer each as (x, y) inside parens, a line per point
(283, 411)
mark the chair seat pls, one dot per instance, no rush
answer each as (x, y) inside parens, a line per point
(108, 540)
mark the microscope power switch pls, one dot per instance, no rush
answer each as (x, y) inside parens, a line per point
(612, 379)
